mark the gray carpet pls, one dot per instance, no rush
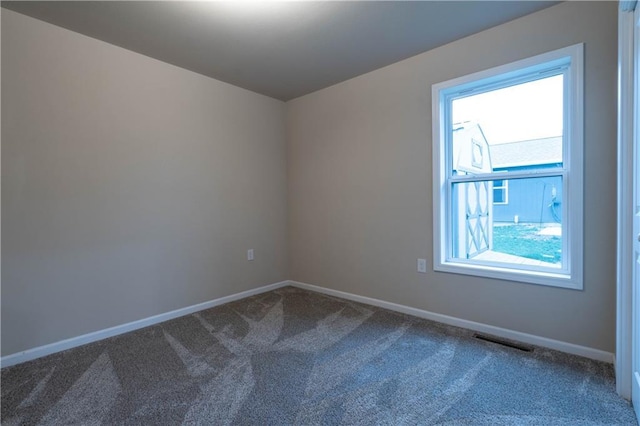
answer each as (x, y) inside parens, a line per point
(295, 357)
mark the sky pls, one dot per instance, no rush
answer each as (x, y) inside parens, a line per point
(531, 110)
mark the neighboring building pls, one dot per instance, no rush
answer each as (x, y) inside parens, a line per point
(531, 200)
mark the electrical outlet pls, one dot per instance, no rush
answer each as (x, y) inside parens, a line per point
(250, 254)
(422, 266)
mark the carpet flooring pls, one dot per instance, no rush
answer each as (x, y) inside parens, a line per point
(294, 357)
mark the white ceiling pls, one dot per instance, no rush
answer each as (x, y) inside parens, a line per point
(280, 49)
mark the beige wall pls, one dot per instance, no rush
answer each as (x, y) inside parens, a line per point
(129, 187)
(360, 183)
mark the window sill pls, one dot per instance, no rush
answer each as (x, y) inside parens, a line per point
(551, 279)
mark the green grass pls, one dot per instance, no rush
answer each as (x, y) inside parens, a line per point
(523, 240)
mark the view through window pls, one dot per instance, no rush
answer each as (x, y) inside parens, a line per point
(512, 129)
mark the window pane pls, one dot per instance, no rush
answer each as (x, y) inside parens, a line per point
(500, 191)
(526, 232)
(516, 127)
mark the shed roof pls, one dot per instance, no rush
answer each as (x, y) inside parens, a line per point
(527, 153)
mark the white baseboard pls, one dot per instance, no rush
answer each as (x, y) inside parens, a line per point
(73, 342)
(471, 325)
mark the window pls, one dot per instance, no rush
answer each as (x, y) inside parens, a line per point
(507, 163)
(500, 191)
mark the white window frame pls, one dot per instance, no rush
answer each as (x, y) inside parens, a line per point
(505, 191)
(570, 61)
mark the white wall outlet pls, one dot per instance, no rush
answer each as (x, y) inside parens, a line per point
(250, 254)
(422, 266)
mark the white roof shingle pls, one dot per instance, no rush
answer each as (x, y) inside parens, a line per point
(527, 153)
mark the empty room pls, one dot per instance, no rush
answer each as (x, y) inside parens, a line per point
(320, 212)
